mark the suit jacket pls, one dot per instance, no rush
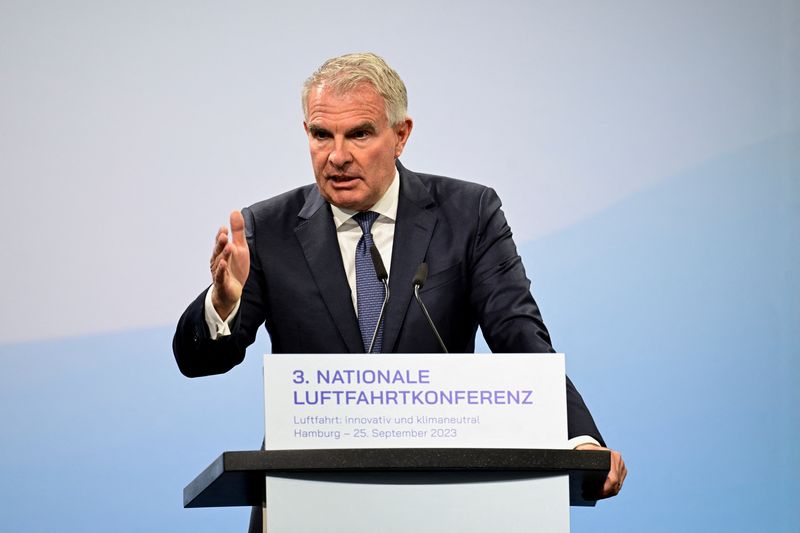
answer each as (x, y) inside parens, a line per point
(298, 289)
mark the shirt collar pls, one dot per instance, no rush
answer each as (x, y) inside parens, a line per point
(385, 207)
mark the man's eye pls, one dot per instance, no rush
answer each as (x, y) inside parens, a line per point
(360, 134)
(321, 135)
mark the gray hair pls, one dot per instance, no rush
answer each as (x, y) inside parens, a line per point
(345, 73)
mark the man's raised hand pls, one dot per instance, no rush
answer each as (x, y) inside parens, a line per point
(230, 265)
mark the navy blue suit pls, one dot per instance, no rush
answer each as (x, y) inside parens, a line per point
(298, 289)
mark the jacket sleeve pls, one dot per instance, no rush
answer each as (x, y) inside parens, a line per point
(508, 315)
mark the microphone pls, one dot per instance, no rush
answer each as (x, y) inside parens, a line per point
(419, 281)
(383, 277)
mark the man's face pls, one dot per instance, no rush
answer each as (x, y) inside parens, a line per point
(353, 148)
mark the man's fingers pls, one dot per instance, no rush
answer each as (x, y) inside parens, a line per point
(616, 475)
(237, 228)
(618, 465)
(617, 471)
(611, 488)
(220, 272)
(219, 242)
(220, 262)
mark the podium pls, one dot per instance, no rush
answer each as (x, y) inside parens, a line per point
(360, 444)
(236, 478)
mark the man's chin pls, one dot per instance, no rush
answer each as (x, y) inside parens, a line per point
(351, 200)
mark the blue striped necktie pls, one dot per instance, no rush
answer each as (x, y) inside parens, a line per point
(369, 289)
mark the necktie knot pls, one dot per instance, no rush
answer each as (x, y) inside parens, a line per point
(365, 219)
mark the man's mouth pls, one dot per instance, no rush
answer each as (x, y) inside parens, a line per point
(341, 178)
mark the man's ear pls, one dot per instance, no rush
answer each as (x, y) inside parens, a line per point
(402, 131)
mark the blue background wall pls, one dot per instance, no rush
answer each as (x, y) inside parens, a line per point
(649, 159)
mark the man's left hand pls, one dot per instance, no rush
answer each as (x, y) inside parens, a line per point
(617, 473)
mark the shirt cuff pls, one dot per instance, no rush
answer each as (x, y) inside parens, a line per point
(216, 326)
(574, 442)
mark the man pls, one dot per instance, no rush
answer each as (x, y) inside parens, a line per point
(292, 262)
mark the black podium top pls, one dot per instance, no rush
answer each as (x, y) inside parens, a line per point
(237, 478)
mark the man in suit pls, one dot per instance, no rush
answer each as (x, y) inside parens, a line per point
(291, 262)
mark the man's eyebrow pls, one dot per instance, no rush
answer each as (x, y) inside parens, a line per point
(313, 128)
(364, 126)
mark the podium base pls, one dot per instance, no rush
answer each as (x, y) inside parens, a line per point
(404, 502)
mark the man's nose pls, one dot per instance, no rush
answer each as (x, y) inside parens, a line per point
(340, 156)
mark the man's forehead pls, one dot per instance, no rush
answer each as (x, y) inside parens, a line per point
(362, 103)
(344, 89)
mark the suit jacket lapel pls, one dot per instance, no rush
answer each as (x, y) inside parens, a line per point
(412, 234)
(317, 236)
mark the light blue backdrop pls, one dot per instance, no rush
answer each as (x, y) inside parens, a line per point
(648, 156)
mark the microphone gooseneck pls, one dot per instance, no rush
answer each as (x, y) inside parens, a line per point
(383, 277)
(419, 281)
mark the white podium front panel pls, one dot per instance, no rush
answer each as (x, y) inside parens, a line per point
(359, 506)
(415, 401)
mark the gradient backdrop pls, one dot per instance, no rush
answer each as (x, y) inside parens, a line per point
(648, 154)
